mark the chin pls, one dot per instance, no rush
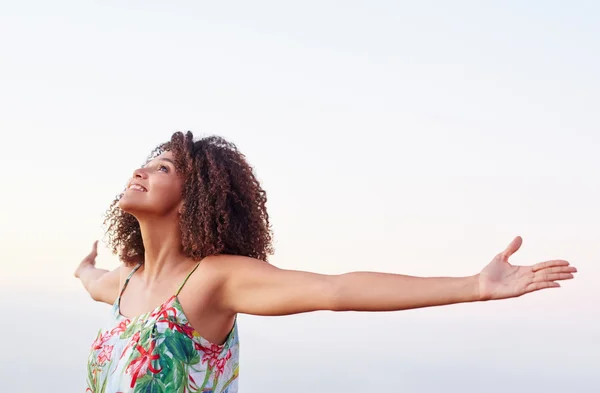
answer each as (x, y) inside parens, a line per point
(130, 205)
(138, 206)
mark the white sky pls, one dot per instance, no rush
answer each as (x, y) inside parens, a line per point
(411, 137)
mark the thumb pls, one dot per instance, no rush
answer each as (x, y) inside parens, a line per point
(513, 247)
(94, 252)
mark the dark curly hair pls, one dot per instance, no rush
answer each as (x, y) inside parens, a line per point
(224, 209)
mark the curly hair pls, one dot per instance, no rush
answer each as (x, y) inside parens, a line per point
(224, 207)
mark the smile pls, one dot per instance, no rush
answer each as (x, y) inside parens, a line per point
(137, 187)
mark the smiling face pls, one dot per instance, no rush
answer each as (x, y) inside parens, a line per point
(154, 190)
(211, 193)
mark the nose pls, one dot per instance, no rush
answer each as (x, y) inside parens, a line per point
(140, 173)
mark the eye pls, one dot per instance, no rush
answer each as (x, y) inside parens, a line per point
(163, 168)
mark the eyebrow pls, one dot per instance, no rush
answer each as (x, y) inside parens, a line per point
(159, 159)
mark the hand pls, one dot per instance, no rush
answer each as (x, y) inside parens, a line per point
(89, 260)
(501, 280)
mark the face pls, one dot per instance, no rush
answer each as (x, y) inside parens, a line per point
(154, 190)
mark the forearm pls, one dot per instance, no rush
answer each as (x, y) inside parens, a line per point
(89, 276)
(369, 291)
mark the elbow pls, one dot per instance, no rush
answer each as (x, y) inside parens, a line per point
(95, 297)
(93, 291)
(336, 298)
(349, 293)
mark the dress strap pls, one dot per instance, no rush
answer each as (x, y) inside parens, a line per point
(186, 278)
(128, 278)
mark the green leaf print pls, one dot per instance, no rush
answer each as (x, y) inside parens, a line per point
(130, 331)
(182, 374)
(172, 373)
(230, 380)
(179, 380)
(103, 388)
(206, 377)
(149, 384)
(166, 365)
(90, 376)
(177, 307)
(181, 347)
(146, 333)
(164, 347)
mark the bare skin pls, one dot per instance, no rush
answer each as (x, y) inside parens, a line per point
(225, 285)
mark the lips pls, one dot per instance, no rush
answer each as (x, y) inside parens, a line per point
(137, 187)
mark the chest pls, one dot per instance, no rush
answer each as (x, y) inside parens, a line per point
(158, 347)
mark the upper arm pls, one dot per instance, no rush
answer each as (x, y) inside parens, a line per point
(255, 287)
(106, 287)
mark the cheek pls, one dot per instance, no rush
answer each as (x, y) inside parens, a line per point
(167, 193)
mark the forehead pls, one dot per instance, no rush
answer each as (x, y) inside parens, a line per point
(166, 154)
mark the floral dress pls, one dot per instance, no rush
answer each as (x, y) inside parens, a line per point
(160, 352)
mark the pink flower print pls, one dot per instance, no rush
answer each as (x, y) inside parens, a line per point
(121, 327)
(211, 355)
(184, 328)
(162, 314)
(100, 341)
(140, 365)
(220, 364)
(163, 310)
(134, 340)
(105, 354)
(169, 303)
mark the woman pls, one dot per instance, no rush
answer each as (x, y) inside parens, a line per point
(193, 234)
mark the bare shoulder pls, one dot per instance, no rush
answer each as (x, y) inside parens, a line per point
(223, 267)
(202, 292)
(216, 274)
(227, 262)
(124, 270)
(202, 297)
(217, 271)
(213, 269)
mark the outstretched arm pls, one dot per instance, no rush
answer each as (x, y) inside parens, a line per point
(255, 287)
(102, 285)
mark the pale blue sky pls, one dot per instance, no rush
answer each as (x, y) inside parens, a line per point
(411, 137)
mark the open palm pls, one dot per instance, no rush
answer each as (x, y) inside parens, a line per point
(501, 280)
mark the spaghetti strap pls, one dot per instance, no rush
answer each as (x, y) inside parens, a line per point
(164, 331)
(186, 278)
(127, 280)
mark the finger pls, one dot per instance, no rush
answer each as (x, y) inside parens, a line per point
(94, 252)
(536, 286)
(513, 247)
(552, 277)
(549, 264)
(558, 269)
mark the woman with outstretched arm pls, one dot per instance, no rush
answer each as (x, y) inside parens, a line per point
(192, 232)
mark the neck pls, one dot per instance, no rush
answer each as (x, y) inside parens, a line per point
(162, 246)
